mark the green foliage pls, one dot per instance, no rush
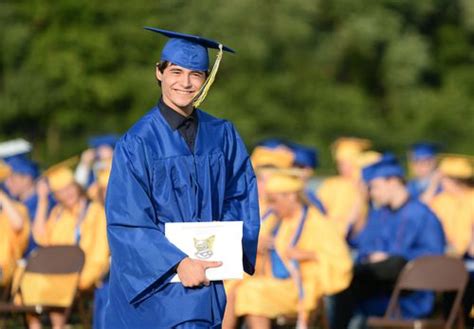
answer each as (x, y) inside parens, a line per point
(395, 71)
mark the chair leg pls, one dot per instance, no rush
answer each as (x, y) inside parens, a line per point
(460, 319)
(84, 312)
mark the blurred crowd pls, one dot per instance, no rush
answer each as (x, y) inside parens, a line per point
(339, 243)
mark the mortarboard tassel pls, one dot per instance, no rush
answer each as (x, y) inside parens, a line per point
(202, 93)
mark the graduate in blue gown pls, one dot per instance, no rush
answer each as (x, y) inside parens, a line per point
(399, 229)
(422, 161)
(21, 185)
(176, 164)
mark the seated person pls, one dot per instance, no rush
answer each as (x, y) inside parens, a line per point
(97, 157)
(455, 208)
(14, 232)
(73, 221)
(423, 164)
(398, 230)
(340, 194)
(21, 184)
(307, 258)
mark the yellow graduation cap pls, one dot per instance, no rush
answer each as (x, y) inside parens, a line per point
(60, 178)
(279, 157)
(367, 158)
(5, 171)
(457, 165)
(284, 182)
(347, 148)
(61, 175)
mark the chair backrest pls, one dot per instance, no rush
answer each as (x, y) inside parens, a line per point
(56, 260)
(436, 273)
(51, 276)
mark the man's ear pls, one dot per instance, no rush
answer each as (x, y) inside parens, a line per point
(158, 74)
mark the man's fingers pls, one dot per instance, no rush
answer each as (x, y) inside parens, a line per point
(212, 264)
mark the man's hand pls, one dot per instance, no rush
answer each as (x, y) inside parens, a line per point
(88, 157)
(377, 256)
(192, 272)
(265, 244)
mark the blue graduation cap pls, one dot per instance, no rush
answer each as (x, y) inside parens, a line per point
(101, 140)
(20, 164)
(387, 166)
(304, 156)
(272, 143)
(423, 150)
(190, 51)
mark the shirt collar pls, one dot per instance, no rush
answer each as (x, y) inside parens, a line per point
(174, 119)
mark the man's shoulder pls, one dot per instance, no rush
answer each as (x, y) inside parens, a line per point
(144, 125)
(142, 130)
(418, 211)
(207, 118)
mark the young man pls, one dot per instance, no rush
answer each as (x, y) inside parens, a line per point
(422, 161)
(398, 230)
(176, 164)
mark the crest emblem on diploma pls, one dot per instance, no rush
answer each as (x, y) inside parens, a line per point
(204, 247)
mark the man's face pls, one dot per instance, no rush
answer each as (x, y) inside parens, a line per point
(179, 85)
(18, 184)
(423, 168)
(380, 190)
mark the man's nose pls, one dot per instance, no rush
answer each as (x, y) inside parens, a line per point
(186, 80)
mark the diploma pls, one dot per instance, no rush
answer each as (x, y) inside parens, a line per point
(210, 241)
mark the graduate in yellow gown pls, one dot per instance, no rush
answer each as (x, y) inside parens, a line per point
(308, 258)
(454, 206)
(264, 161)
(14, 231)
(75, 220)
(340, 194)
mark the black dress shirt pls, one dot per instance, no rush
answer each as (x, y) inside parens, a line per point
(187, 126)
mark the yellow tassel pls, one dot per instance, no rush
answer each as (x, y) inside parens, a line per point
(202, 93)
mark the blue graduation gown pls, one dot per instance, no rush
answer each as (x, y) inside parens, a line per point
(156, 179)
(411, 231)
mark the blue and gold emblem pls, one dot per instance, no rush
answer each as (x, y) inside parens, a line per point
(204, 247)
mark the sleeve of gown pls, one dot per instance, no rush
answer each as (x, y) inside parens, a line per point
(241, 197)
(141, 254)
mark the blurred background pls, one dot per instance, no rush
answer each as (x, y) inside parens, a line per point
(393, 71)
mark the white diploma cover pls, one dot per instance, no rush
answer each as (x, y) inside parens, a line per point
(210, 241)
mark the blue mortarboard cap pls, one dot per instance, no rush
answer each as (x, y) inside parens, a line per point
(108, 140)
(272, 143)
(387, 166)
(20, 164)
(304, 156)
(186, 50)
(423, 150)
